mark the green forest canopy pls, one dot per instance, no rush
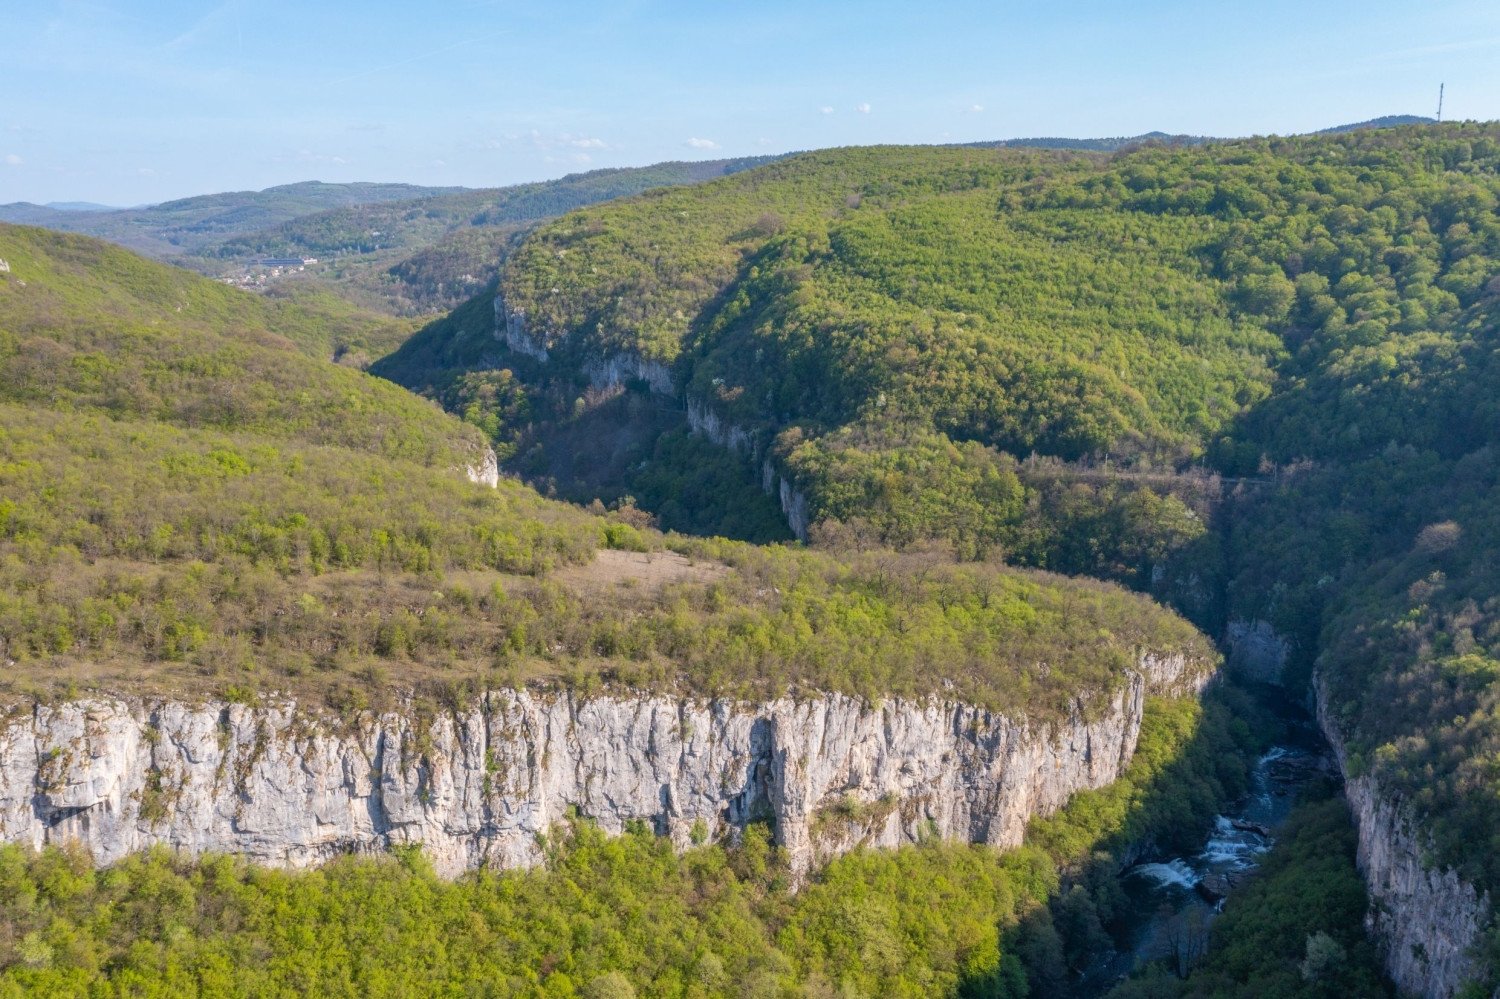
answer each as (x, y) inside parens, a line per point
(897, 327)
(269, 519)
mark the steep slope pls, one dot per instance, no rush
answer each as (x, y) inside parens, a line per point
(883, 333)
(89, 326)
(196, 512)
(708, 315)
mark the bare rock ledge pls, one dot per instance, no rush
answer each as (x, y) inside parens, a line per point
(285, 785)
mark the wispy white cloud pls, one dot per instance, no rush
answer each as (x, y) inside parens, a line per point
(863, 108)
(416, 58)
(826, 109)
(696, 143)
(12, 159)
(976, 108)
(587, 143)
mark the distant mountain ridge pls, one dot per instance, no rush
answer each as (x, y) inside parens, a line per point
(1111, 144)
(409, 250)
(1386, 121)
(81, 206)
(185, 225)
(402, 249)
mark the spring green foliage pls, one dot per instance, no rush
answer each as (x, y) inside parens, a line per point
(605, 916)
(1315, 314)
(188, 501)
(906, 291)
(1295, 931)
(1375, 550)
(88, 327)
(1156, 302)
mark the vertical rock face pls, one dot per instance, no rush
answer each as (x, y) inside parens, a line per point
(621, 368)
(702, 420)
(485, 471)
(282, 785)
(1257, 651)
(1426, 919)
(510, 327)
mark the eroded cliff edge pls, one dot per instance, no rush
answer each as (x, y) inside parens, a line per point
(282, 784)
(1428, 919)
(617, 369)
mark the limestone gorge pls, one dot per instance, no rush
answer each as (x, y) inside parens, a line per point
(1017, 572)
(702, 419)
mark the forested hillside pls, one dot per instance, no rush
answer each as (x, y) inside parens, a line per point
(1254, 378)
(394, 249)
(429, 253)
(1260, 376)
(189, 496)
(191, 506)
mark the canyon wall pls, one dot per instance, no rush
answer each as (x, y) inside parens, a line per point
(285, 784)
(1426, 919)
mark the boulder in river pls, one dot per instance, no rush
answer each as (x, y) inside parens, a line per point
(1214, 887)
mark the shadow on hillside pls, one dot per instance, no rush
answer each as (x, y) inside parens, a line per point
(1188, 767)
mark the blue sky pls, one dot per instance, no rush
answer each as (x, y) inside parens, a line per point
(125, 103)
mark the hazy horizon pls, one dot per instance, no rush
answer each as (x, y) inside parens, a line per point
(118, 107)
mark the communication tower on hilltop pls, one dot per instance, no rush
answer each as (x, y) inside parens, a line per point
(1440, 101)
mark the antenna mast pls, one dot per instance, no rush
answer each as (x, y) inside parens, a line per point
(1440, 102)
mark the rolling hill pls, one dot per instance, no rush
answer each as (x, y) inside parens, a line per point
(893, 333)
(186, 225)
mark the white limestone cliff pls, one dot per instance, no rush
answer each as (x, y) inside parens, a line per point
(485, 471)
(286, 785)
(1425, 918)
(621, 368)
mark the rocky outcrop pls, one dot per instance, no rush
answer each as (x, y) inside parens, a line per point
(605, 372)
(1256, 651)
(485, 471)
(794, 508)
(284, 785)
(1427, 919)
(621, 368)
(703, 421)
(510, 327)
